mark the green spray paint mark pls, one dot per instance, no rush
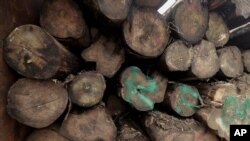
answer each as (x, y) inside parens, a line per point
(235, 111)
(186, 90)
(139, 90)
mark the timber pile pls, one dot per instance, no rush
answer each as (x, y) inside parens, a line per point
(118, 70)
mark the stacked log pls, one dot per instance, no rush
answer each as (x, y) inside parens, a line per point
(119, 70)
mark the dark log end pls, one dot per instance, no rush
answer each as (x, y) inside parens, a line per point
(87, 89)
(146, 32)
(191, 20)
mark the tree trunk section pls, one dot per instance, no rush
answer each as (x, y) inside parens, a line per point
(107, 54)
(10, 130)
(87, 89)
(36, 103)
(46, 135)
(146, 32)
(177, 57)
(205, 62)
(183, 99)
(142, 91)
(63, 19)
(246, 60)
(218, 32)
(191, 20)
(92, 125)
(33, 53)
(231, 64)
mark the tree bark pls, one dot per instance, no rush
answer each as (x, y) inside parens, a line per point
(107, 54)
(142, 91)
(33, 53)
(191, 20)
(63, 19)
(87, 89)
(146, 32)
(36, 103)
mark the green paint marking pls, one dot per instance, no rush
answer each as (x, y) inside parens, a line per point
(186, 90)
(235, 110)
(139, 90)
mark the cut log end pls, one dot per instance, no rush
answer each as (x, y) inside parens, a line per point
(36, 103)
(218, 32)
(62, 19)
(231, 63)
(205, 60)
(107, 55)
(191, 20)
(87, 89)
(46, 134)
(146, 32)
(33, 53)
(115, 10)
(142, 91)
(92, 125)
(246, 60)
(178, 57)
(184, 99)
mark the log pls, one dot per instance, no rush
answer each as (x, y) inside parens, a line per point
(177, 57)
(246, 60)
(142, 91)
(217, 92)
(243, 83)
(115, 10)
(36, 103)
(149, 3)
(191, 20)
(107, 54)
(10, 130)
(87, 89)
(91, 125)
(63, 19)
(205, 62)
(218, 32)
(33, 53)
(146, 32)
(46, 135)
(111, 11)
(129, 131)
(182, 99)
(234, 111)
(231, 64)
(163, 127)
